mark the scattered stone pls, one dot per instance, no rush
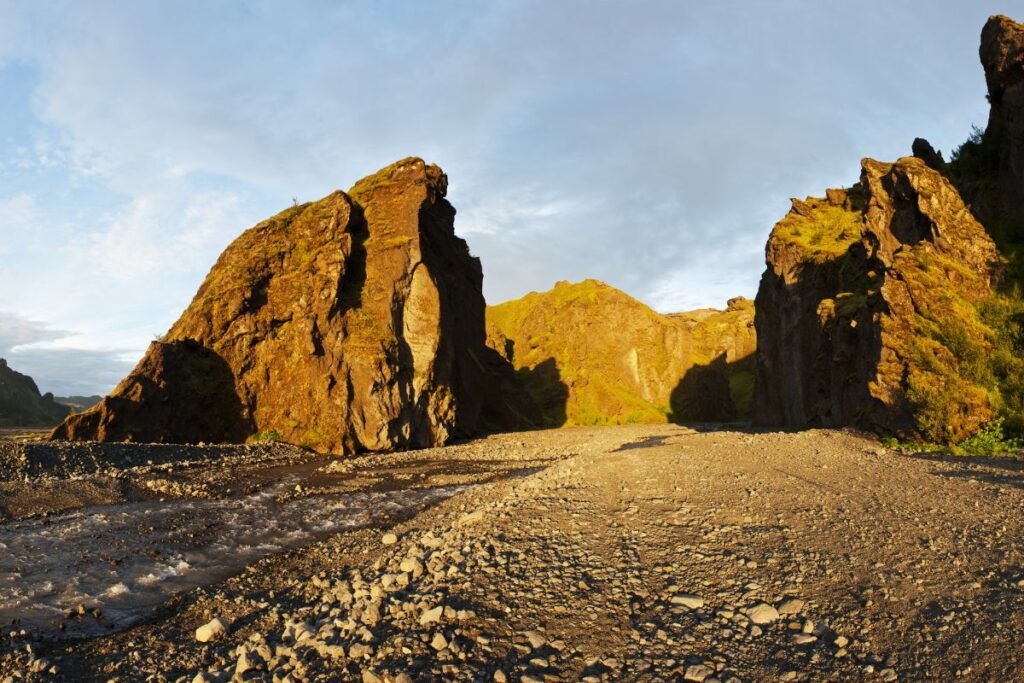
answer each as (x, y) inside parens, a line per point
(211, 631)
(698, 673)
(432, 615)
(791, 606)
(762, 614)
(688, 600)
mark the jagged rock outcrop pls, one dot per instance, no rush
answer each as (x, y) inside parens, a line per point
(1002, 56)
(21, 404)
(923, 150)
(590, 354)
(867, 313)
(352, 323)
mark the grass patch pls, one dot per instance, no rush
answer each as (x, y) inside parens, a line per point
(266, 436)
(827, 233)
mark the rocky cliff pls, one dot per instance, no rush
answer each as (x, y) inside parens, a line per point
(590, 354)
(1000, 202)
(352, 323)
(869, 311)
(898, 305)
(21, 404)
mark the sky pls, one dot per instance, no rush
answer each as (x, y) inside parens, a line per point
(649, 144)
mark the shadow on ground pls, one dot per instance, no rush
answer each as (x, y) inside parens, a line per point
(1009, 469)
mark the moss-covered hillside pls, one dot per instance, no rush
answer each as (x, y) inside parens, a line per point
(591, 354)
(899, 305)
(872, 310)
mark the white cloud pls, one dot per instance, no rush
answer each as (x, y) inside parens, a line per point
(34, 348)
(651, 146)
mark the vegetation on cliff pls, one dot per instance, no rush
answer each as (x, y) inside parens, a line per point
(870, 311)
(902, 298)
(986, 171)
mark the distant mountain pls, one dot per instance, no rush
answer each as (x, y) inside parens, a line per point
(78, 404)
(591, 354)
(21, 404)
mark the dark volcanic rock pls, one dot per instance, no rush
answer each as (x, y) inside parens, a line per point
(866, 314)
(21, 404)
(1002, 56)
(351, 323)
(923, 150)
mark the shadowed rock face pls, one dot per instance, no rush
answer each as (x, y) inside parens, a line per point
(351, 323)
(590, 354)
(1002, 56)
(21, 404)
(867, 309)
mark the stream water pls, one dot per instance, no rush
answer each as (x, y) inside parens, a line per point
(127, 559)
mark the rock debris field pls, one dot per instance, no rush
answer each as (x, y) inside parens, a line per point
(644, 553)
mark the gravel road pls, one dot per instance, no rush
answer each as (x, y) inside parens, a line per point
(643, 553)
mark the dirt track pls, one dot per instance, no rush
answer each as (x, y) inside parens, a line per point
(634, 553)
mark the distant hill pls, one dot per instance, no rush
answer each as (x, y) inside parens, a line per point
(21, 404)
(591, 354)
(78, 404)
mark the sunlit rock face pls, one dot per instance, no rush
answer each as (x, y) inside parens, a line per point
(867, 313)
(352, 323)
(591, 354)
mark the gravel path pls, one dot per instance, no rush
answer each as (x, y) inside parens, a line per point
(641, 553)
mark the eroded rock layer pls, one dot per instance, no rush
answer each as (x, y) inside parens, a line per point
(352, 323)
(868, 314)
(591, 354)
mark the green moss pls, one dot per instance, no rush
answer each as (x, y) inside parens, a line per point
(848, 304)
(826, 234)
(314, 437)
(1003, 313)
(741, 390)
(266, 436)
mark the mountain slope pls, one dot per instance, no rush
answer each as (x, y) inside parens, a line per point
(21, 404)
(591, 354)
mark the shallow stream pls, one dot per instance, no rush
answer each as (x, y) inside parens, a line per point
(127, 559)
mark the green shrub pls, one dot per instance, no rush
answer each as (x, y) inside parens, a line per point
(989, 441)
(266, 436)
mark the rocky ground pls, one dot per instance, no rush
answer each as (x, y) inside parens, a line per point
(641, 553)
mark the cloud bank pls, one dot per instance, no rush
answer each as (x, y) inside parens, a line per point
(651, 145)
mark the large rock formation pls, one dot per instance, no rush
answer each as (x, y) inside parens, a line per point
(21, 404)
(1002, 56)
(590, 354)
(354, 322)
(988, 169)
(868, 313)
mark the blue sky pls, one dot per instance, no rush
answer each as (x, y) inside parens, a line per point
(651, 144)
